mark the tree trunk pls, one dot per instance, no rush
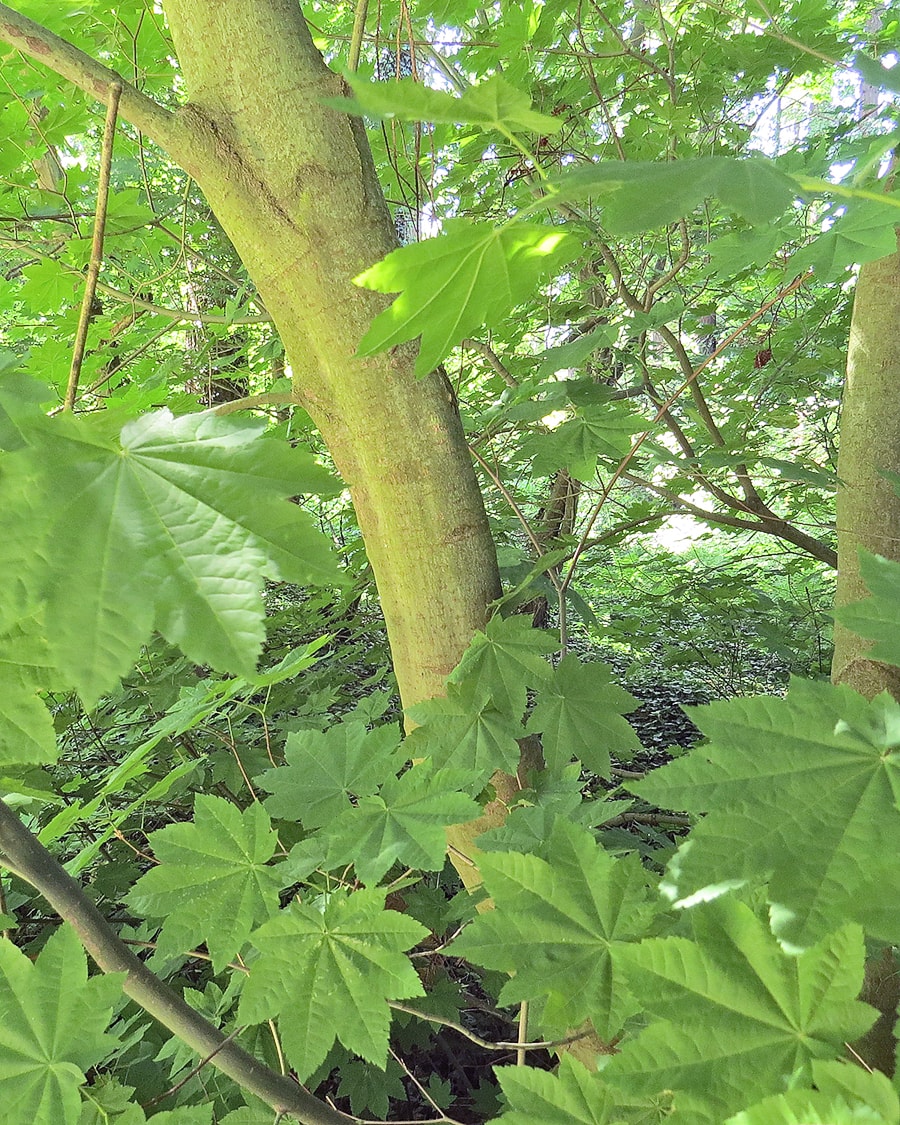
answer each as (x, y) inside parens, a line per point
(294, 187)
(868, 515)
(868, 508)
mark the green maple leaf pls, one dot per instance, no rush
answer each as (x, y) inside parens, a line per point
(451, 285)
(27, 735)
(492, 104)
(212, 883)
(464, 730)
(639, 195)
(596, 431)
(811, 1107)
(803, 789)
(504, 660)
(555, 925)
(877, 618)
(53, 1024)
(580, 716)
(572, 1096)
(738, 1017)
(844, 1094)
(329, 974)
(863, 233)
(404, 822)
(172, 523)
(325, 770)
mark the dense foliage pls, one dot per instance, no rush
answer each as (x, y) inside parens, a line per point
(628, 231)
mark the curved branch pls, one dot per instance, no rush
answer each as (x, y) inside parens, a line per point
(767, 524)
(23, 853)
(66, 60)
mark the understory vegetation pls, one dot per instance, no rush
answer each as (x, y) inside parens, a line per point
(449, 563)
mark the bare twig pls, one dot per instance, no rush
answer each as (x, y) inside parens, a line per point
(93, 272)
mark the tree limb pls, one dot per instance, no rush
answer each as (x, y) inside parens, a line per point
(23, 853)
(66, 60)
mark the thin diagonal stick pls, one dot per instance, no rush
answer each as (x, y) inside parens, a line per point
(93, 273)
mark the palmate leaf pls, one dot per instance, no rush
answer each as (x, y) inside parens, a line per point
(803, 789)
(572, 1096)
(329, 974)
(504, 660)
(596, 431)
(172, 523)
(844, 1094)
(324, 771)
(739, 1018)
(405, 822)
(27, 736)
(640, 195)
(492, 104)
(580, 716)
(212, 883)
(465, 730)
(53, 1024)
(450, 285)
(863, 233)
(555, 925)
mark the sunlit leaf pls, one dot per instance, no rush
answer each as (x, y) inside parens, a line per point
(450, 285)
(801, 789)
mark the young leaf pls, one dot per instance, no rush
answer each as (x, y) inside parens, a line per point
(862, 234)
(738, 1017)
(329, 974)
(492, 104)
(450, 285)
(212, 883)
(572, 1096)
(596, 431)
(325, 770)
(53, 1024)
(405, 822)
(171, 524)
(555, 925)
(801, 788)
(580, 716)
(504, 659)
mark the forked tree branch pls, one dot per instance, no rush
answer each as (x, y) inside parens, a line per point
(23, 853)
(66, 60)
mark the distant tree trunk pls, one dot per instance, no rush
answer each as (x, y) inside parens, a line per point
(868, 508)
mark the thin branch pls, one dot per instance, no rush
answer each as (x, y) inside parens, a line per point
(486, 1045)
(33, 863)
(359, 31)
(493, 359)
(507, 496)
(93, 272)
(801, 279)
(253, 402)
(94, 78)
